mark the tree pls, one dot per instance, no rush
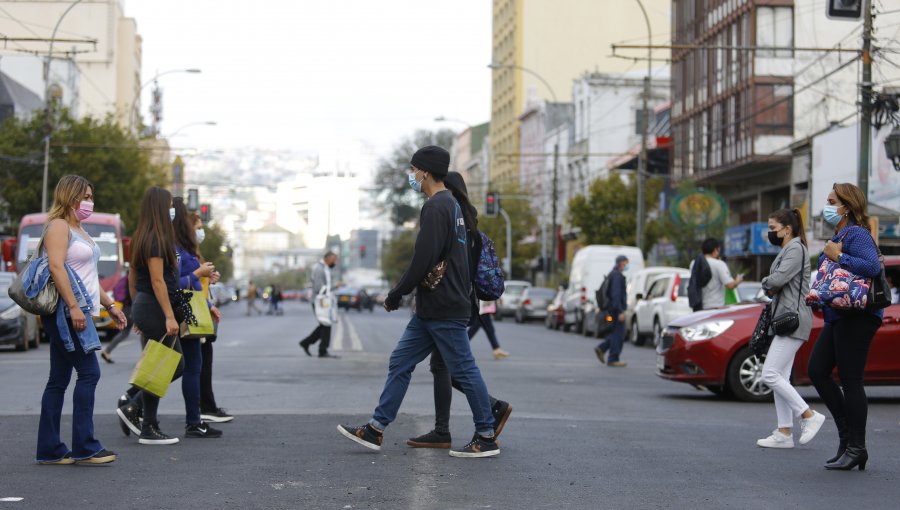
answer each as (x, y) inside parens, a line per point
(212, 251)
(397, 254)
(393, 193)
(607, 214)
(525, 240)
(100, 151)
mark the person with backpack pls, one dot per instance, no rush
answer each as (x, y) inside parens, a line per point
(616, 305)
(714, 279)
(439, 437)
(440, 269)
(120, 294)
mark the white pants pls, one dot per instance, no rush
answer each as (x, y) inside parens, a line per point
(777, 373)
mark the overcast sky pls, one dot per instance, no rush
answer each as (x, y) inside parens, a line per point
(306, 74)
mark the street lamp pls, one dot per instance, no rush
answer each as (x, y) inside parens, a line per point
(207, 123)
(892, 148)
(643, 167)
(548, 268)
(137, 95)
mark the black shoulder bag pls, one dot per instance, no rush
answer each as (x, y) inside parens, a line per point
(782, 325)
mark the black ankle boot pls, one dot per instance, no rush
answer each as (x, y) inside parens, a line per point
(842, 439)
(855, 454)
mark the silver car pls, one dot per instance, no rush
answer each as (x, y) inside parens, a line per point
(512, 296)
(534, 303)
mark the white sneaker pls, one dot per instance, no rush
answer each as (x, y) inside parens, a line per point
(810, 427)
(776, 440)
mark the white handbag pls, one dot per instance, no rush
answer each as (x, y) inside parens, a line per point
(323, 303)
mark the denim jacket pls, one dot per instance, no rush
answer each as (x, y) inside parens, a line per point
(36, 277)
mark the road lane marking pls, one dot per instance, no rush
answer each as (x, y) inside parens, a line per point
(355, 342)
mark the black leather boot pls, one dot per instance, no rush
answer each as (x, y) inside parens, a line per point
(842, 439)
(855, 455)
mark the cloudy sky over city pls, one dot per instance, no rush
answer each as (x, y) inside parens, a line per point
(311, 74)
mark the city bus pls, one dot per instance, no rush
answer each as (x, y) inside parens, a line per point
(107, 230)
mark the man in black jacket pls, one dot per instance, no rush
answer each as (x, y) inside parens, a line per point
(617, 304)
(440, 269)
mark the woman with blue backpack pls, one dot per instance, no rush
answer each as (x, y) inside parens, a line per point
(439, 437)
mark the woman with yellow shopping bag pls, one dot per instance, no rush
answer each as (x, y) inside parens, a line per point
(191, 270)
(157, 309)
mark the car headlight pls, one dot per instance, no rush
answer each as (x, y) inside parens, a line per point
(11, 313)
(705, 330)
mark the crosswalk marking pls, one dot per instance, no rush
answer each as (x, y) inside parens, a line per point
(345, 324)
(337, 343)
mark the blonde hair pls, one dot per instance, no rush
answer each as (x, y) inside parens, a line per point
(69, 189)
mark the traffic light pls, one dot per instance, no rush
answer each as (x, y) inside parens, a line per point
(845, 9)
(193, 199)
(205, 213)
(492, 204)
(362, 251)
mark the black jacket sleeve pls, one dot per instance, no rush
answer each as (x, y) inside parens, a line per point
(434, 230)
(617, 292)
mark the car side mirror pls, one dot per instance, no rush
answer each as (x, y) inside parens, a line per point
(638, 297)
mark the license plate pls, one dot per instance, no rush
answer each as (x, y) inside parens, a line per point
(660, 362)
(344, 299)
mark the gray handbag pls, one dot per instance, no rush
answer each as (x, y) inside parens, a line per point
(46, 300)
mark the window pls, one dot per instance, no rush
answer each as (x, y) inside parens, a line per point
(775, 27)
(774, 104)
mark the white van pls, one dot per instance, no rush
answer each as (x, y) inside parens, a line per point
(590, 266)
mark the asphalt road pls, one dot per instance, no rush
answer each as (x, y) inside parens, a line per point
(580, 436)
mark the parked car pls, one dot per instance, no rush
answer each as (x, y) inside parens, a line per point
(220, 295)
(748, 292)
(17, 327)
(590, 266)
(711, 349)
(665, 301)
(638, 285)
(534, 303)
(512, 296)
(556, 313)
(354, 298)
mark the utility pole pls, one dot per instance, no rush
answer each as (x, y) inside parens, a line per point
(550, 267)
(508, 265)
(865, 128)
(642, 161)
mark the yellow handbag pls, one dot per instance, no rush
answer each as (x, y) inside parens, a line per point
(154, 370)
(203, 325)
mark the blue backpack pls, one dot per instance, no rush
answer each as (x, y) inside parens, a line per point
(489, 282)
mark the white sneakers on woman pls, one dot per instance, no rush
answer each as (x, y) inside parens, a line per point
(809, 427)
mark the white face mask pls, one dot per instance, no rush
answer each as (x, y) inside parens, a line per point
(201, 235)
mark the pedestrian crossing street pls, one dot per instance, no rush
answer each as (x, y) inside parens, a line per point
(345, 337)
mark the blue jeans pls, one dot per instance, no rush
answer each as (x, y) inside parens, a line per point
(419, 339)
(613, 342)
(190, 379)
(84, 445)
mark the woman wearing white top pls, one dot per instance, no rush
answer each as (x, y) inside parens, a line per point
(69, 247)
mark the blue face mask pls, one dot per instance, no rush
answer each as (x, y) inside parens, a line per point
(625, 268)
(172, 213)
(414, 184)
(830, 214)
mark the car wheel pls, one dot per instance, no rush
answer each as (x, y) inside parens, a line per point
(744, 377)
(519, 318)
(657, 332)
(634, 336)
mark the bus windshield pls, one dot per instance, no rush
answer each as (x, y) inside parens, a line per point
(103, 235)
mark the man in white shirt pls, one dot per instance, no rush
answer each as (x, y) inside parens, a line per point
(714, 291)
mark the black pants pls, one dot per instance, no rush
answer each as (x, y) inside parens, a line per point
(150, 319)
(207, 397)
(844, 344)
(321, 334)
(444, 384)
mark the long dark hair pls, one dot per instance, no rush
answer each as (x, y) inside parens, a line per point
(185, 235)
(154, 228)
(853, 199)
(457, 185)
(791, 218)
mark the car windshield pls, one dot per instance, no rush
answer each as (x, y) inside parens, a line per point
(541, 293)
(514, 290)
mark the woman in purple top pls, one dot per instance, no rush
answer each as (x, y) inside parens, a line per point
(845, 339)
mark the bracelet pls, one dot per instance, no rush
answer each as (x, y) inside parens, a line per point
(110, 308)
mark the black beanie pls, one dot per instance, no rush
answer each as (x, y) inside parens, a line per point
(432, 159)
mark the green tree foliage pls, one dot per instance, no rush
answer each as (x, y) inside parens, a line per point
(525, 238)
(101, 151)
(212, 251)
(396, 255)
(607, 214)
(285, 280)
(394, 195)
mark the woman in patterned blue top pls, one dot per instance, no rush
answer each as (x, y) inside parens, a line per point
(845, 339)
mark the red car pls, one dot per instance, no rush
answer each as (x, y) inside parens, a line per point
(711, 349)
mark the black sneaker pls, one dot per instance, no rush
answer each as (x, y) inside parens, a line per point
(201, 429)
(123, 401)
(305, 348)
(600, 355)
(433, 439)
(102, 457)
(150, 434)
(218, 416)
(364, 435)
(479, 446)
(501, 411)
(130, 418)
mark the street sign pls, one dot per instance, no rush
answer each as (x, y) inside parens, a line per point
(847, 10)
